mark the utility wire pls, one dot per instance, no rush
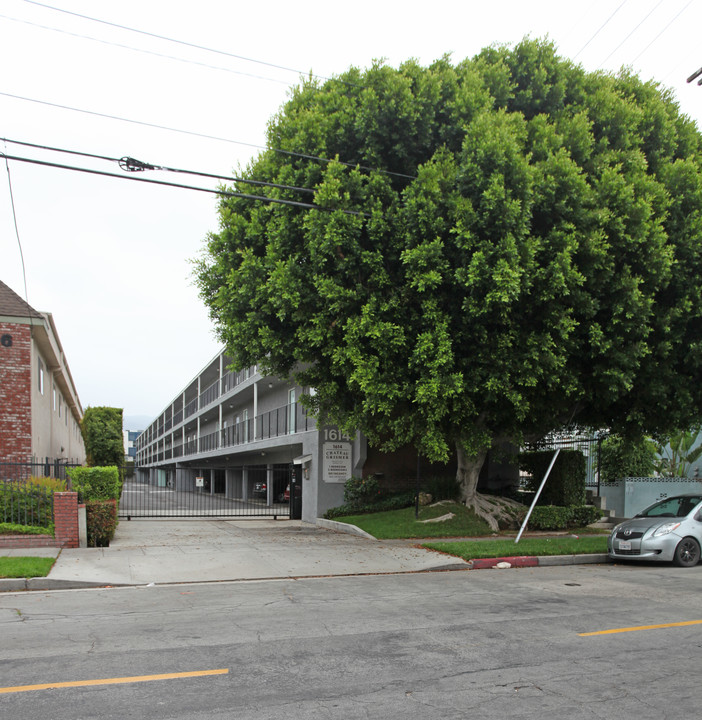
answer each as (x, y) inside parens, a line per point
(19, 243)
(131, 165)
(289, 153)
(146, 52)
(604, 24)
(662, 31)
(631, 33)
(185, 43)
(223, 193)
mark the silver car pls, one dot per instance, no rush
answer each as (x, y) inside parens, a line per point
(669, 530)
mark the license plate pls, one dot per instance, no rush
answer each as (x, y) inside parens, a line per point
(624, 545)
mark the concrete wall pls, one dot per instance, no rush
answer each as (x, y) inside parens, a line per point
(629, 496)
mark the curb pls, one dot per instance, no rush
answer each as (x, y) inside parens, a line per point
(343, 528)
(540, 561)
(46, 583)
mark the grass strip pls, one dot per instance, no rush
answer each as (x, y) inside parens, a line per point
(25, 567)
(403, 524)
(565, 545)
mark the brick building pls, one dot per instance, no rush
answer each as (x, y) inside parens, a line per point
(40, 412)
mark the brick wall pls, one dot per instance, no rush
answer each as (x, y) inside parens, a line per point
(15, 392)
(65, 527)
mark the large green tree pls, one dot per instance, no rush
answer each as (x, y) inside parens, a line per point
(507, 245)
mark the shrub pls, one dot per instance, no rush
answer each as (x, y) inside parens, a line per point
(566, 483)
(584, 515)
(361, 491)
(26, 503)
(621, 457)
(394, 502)
(101, 517)
(553, 517)
(95, 483)
(15, 529)
(441, 487)
(49, 483)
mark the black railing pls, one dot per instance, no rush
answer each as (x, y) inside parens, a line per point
(589, 446)
(284, 420)
(25, 502)
(26, 470)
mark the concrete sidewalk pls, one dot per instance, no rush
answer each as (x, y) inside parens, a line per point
(183, 551)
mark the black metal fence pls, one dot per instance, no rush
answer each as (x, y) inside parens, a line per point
(588, 445)
(25, 470)
(254, 491)
(23, 502)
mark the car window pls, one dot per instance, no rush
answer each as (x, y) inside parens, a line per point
(676, 507)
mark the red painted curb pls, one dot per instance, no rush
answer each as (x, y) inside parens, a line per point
(521, 561)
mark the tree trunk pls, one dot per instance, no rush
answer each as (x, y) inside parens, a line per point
(492, 509)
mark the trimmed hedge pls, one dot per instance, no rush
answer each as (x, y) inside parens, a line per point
(395, 502)
(99, 488)
(95, 483)
(566, 483)
(553, 517)
(101, 516)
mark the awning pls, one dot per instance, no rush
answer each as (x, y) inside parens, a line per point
(302, 459)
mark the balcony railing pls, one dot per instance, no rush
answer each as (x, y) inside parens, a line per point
(285, 420)
(191, 407)
(210, 394)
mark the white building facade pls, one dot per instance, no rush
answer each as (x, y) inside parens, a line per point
(228, 432)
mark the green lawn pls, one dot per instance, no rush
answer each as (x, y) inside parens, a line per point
(561, 545)
(402, 523)
(25, 567)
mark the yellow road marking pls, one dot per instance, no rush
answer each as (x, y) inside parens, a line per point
(642, 627)
(114, 681)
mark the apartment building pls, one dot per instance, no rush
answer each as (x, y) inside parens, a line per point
(40, 412)
(231, 433)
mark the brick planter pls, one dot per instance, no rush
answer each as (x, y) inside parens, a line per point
(66, 533)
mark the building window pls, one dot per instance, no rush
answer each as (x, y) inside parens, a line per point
(245, 420)
(54, 399)
(41, 376)
(291, 411)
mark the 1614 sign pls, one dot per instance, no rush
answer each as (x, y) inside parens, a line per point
(337, 456)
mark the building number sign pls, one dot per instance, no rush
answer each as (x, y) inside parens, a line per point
(337, 466)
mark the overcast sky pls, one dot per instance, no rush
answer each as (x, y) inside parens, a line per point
(111, 258)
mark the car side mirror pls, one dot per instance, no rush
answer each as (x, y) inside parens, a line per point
(698, 515)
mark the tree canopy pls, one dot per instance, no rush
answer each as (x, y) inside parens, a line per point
(526, 252)
(101, 428)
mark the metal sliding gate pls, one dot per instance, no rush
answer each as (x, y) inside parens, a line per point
(253, 491)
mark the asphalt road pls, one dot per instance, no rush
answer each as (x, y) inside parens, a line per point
(471, 644)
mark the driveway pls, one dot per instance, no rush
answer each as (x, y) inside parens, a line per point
(182, 551)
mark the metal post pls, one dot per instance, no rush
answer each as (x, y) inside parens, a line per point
(536, 497)
(416, 496)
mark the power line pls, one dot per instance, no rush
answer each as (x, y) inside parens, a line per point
(223, 193)
(19, 243)
(184, 42)
(289, 153)
(632, 32)
(146, 52)
(604, 24)
(662, 31)
(132, 165)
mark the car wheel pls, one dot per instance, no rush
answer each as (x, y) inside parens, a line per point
(687, 553)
